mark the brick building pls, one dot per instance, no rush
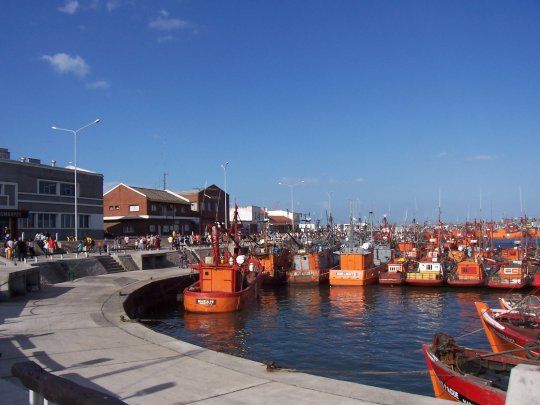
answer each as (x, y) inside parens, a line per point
(209, 204)
(135, 211)
(36, 197)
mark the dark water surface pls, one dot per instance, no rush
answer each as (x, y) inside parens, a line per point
(340, 332)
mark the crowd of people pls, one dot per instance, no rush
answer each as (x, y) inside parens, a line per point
(17, 248)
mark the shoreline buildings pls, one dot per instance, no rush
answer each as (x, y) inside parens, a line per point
(36, 197)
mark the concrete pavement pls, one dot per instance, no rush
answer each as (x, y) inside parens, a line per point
(74, 330)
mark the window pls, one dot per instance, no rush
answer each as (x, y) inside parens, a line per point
(27, 223)
(68, 221)
(67, 189)
(84, 221)
(153, 208)
(202, 206)
(128, 229)
(111, 207)
(116, 207)
(8, 195)
(152, 228)
(47, 187)
(133, 208)
(183, 210)
(46, 221)
(165, 228)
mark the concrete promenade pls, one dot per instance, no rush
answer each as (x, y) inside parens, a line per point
(73, 329)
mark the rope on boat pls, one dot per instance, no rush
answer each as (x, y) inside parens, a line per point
(470, 333)
(272, 367)
(527, 349)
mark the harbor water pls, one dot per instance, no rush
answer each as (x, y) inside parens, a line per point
(371, 335)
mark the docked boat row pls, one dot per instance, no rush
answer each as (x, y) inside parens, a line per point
(240, 264)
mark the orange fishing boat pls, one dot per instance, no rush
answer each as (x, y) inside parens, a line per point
(276, 262)
(511, 329)
(426, 274)
(468, 274)
(467, 375)
(356, 267)
(311, 267)
(510, 276)
(229, 283)
(395, 273)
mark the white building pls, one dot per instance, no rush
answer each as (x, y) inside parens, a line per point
(251, 217)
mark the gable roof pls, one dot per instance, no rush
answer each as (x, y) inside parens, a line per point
(160, 195)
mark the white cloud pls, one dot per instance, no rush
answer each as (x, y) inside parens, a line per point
(64, 63)
(98, 84)
(112, 4)
(359, 180)
(69, 7)
(167, 23)
(442, 154)
(481, 157)
(311, 180)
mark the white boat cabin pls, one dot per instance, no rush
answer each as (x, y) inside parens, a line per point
(427, 267)
(395, 267)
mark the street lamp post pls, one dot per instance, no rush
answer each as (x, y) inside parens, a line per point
(292, 186)
(329, 194)
(75, 132)
(224, 167)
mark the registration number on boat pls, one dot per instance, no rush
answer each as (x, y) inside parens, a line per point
(206, 302)
(346, 273)
(302, 273)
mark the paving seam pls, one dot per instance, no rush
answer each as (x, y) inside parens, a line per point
(226, 393)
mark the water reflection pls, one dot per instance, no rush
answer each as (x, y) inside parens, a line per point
(340, 332)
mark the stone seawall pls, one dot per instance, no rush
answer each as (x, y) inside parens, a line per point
(141, 302)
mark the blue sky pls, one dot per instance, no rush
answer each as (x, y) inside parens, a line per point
(381, 103)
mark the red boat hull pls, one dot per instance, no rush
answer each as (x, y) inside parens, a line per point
(315, 276)
(466, 283)
(507, 286)
(389, 278)
(212, 302)
(503, 336)
(536, 281)
(450, 385)
(425, 283)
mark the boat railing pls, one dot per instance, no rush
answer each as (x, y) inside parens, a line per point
(508, 280)
(45, 387)
(417, 275)
(455, 276)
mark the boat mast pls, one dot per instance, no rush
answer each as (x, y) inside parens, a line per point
(440, 225)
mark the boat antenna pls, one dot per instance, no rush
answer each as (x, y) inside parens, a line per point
(480, 204)
(371, 225)
(351, 230)
(520, 201)
(440, 223)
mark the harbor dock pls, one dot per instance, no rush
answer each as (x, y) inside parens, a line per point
(78, 330)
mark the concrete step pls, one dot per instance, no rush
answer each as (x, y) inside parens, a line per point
(110, 264)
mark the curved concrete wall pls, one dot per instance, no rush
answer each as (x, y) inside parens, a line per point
(156, 293)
